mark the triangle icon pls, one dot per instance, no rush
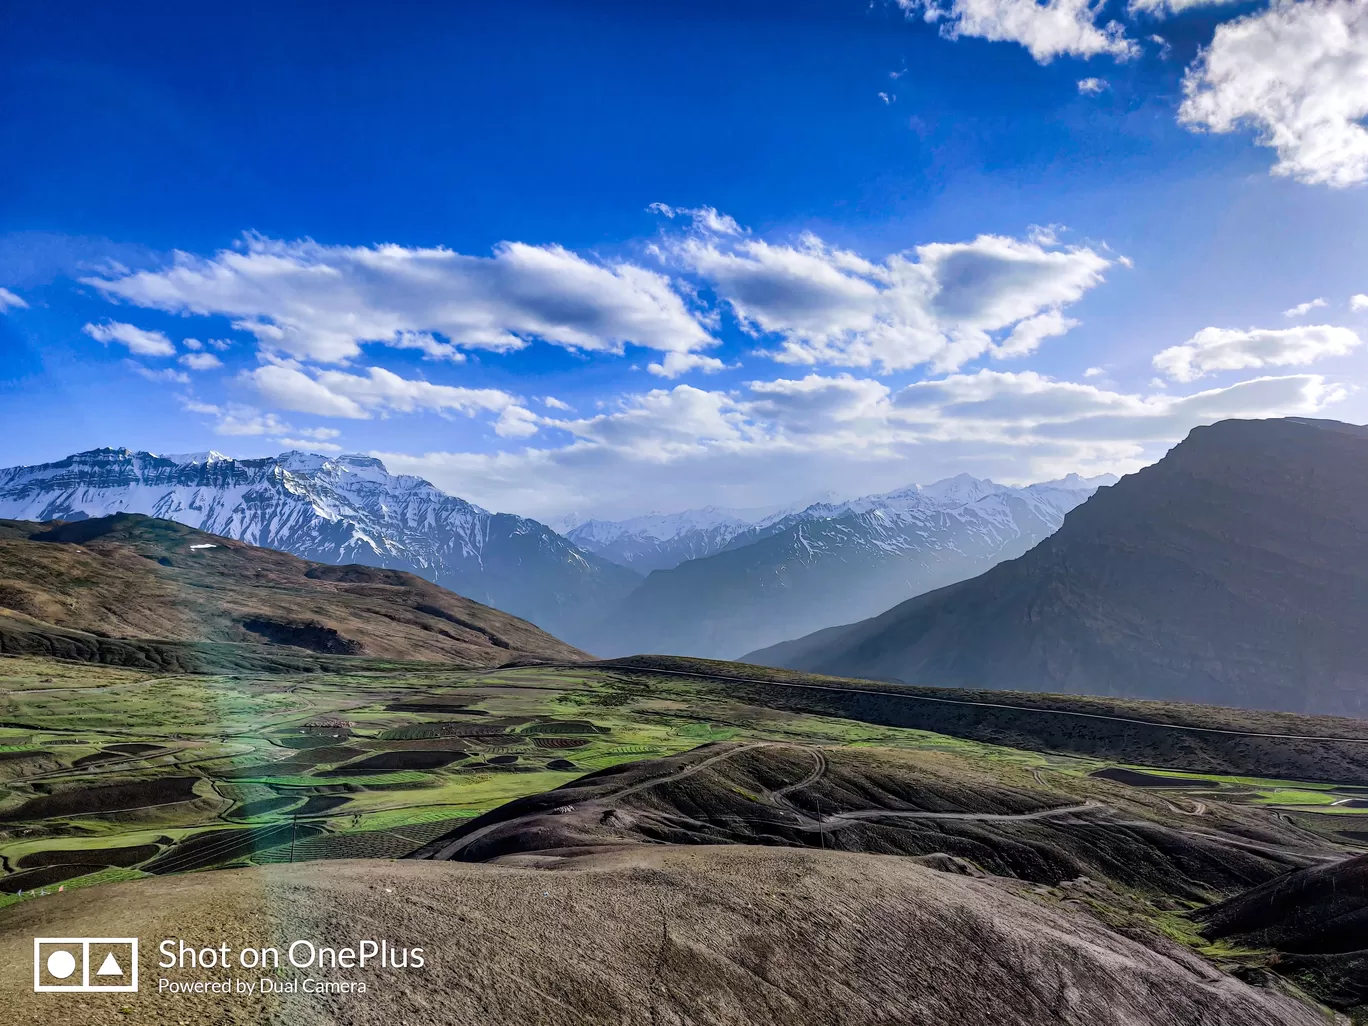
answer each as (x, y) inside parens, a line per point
(109, 967)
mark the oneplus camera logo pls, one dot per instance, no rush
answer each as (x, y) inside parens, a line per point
(85, 964)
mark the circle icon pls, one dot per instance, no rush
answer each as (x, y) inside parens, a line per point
(61, 964)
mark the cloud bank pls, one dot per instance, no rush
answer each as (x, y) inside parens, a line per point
(941, 304)
(321, 303)
(771, 440)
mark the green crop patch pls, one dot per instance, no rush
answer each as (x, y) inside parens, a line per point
(196, 772)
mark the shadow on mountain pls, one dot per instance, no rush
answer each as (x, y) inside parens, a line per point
(1316, 920)
(1231, 572)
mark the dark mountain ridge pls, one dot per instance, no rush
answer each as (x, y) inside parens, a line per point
(832, 562)
(1233, 572)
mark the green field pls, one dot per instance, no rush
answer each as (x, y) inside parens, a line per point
(106, 774)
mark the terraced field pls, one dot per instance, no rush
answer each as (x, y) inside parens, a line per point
(112, 773)
(155, 774)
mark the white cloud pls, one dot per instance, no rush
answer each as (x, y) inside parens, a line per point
(552, 403)
(144, 343)
(163, 375)
(291, 389)
(517, 422)
(1047, 408)
(1225, 349)
(201, 361)
(938, 305)
(8, 299)
(309, 445)
(429, 344)
(1028, 334)
(887, 99)
(334, 393)
(321, 303)
(705, 219)
(1302, 309)
(776, 440)
(384, 390)
(941, 304)
(1047, 28)
(1358, 302)
(663, 423)
(1094, 372)
(320, 434)
(1296, 73)
(1092, 86)
(240, 421)
(1164, 8)
(676, 364)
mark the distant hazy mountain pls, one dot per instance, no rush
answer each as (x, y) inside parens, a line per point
(833, 563)
(659, 541)
(347, 509)
(1234, 571)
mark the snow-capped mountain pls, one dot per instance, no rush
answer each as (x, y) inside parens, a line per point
(659, 541)
(833, 563)
(912, 504)
(344, 509)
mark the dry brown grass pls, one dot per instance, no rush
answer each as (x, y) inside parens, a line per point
(663, 935)
(140, 578)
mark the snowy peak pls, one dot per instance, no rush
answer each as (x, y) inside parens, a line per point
(833, 563)
(211, 456)
(660, 541)
(663, 526)
(342, 509)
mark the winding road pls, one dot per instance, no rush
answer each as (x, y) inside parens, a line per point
(988, 705)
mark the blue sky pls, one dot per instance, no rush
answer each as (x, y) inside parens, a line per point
(603, 258)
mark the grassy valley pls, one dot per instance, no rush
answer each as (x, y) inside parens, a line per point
(227, 708)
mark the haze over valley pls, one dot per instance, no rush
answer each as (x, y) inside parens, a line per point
(702, 582)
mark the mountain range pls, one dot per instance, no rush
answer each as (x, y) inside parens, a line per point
(1231, 572)
(661, 541)
(347, 509)
(827, 563)
(721, 581)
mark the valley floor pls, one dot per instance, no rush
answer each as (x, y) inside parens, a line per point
(1119, 820)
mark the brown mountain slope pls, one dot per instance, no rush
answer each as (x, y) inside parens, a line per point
(126, 586)
(705, 935)
(1130, 856)
(939, 807)
(1234, 572)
